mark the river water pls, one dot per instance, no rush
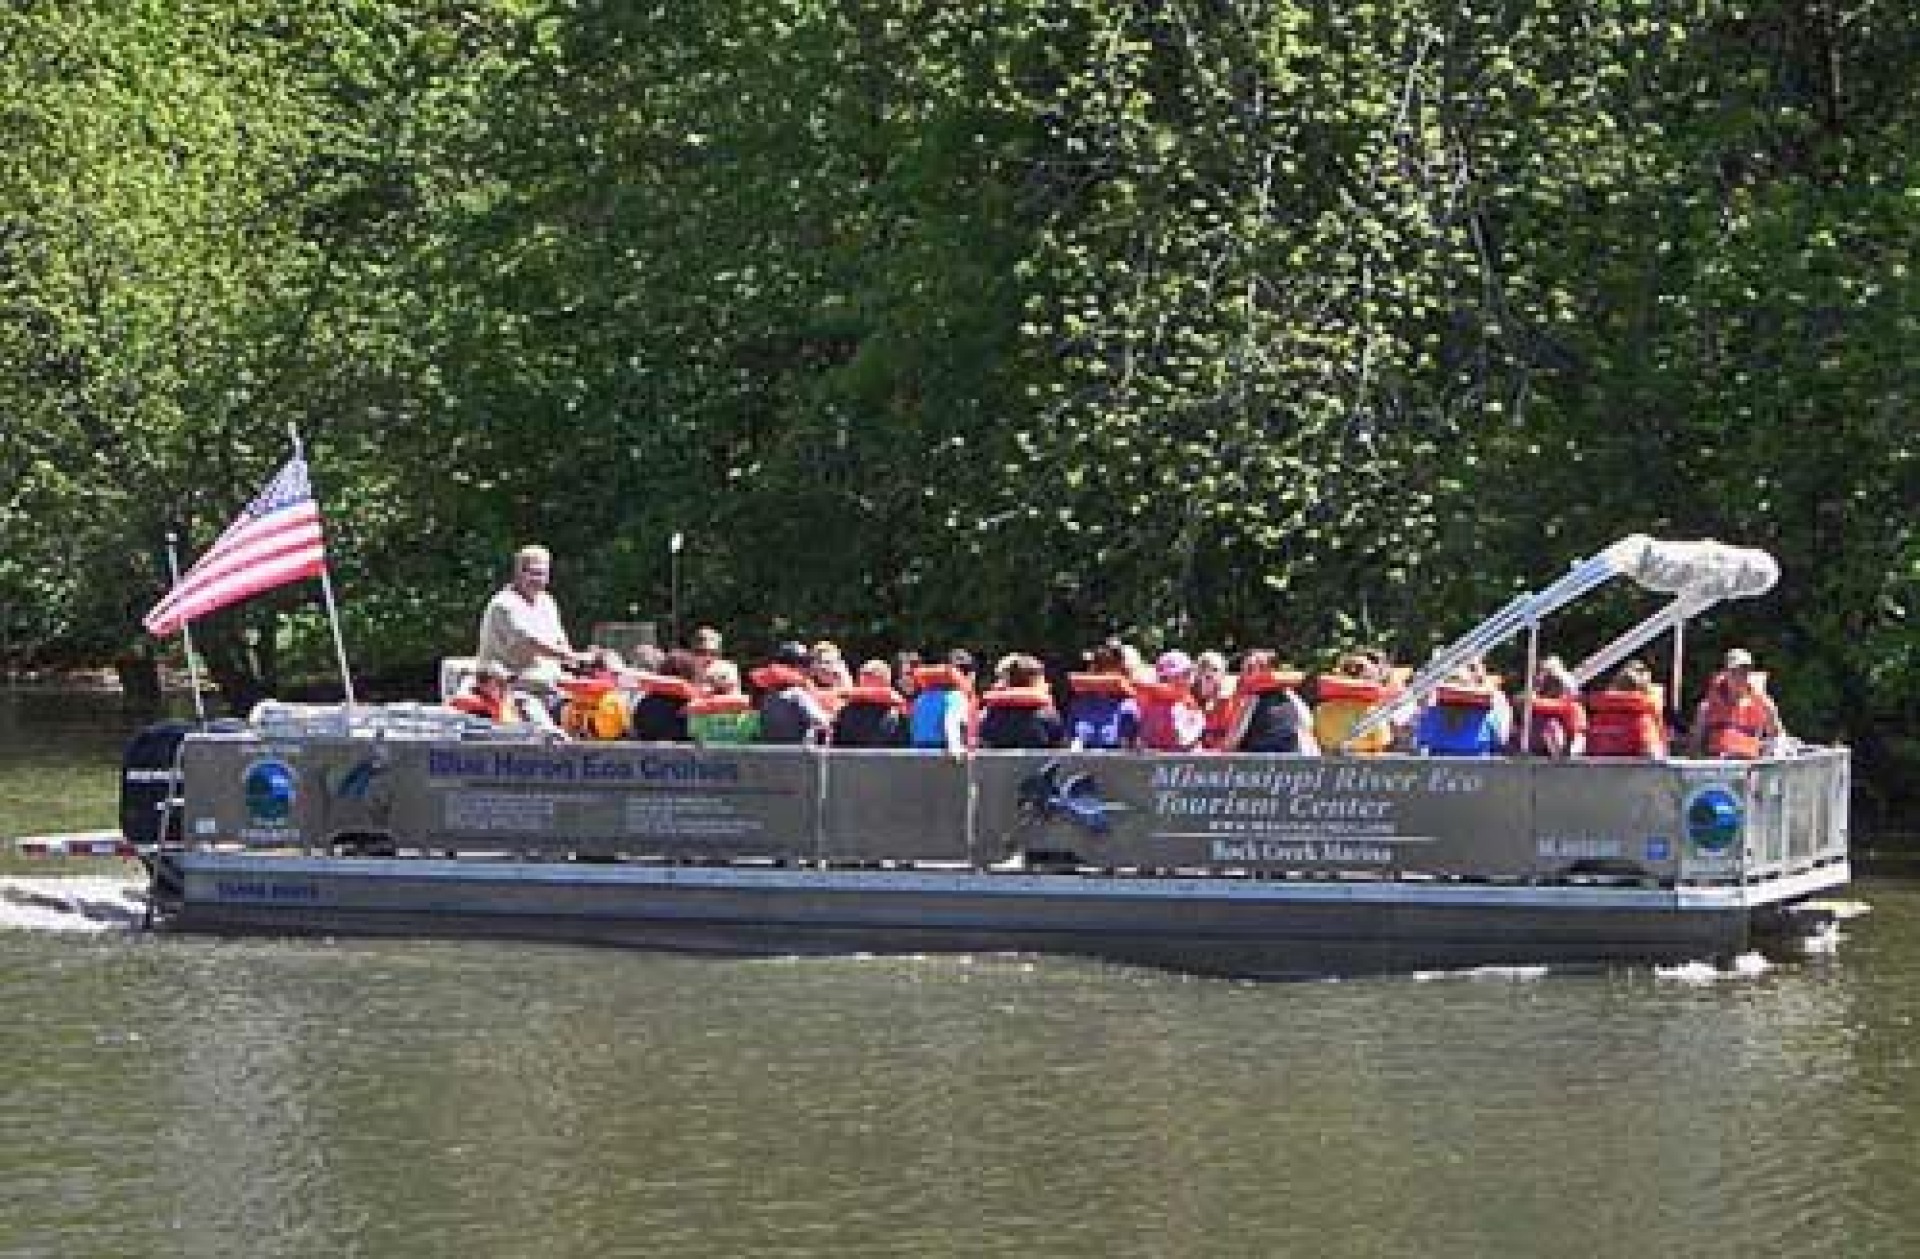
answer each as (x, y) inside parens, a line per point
(178, 1096)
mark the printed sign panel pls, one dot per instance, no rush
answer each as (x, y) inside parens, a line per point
(1629, 820)
(899, 806)
(1379, 814)
(591, 798)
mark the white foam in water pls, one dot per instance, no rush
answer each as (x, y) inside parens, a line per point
(1745, 966)
(66, 904)
(1497, 974)
(1825, 940)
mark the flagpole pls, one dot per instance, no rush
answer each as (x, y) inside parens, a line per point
(186, 632)
(326, 590)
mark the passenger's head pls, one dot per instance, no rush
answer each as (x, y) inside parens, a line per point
(875, 673)
(827, 666)
(1025, 671)
(1634, 675)
(722, 677)
(793, 656)
(682, 664)
(904, 663)
(1106, 659)
(1209, 673)
(706, 641)
(1354, 664)
(1553, 680)
(961, 661)
(1258, 660)
(1173, 666)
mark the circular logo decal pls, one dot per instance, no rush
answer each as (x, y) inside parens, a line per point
(1714, 816)
(270, 789)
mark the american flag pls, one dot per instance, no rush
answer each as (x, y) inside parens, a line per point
(276, 540)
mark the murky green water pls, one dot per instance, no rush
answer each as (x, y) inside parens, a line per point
(171, 1096)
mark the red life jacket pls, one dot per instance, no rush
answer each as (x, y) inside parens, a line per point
(1624, 723)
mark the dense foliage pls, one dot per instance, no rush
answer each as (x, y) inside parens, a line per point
(1209, 320)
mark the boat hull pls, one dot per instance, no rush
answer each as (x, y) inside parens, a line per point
(1254, 928)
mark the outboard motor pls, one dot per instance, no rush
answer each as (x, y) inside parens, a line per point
(150, 785)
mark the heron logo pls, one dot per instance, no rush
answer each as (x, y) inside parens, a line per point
(270, 788)
(1047, 793)
(1714, 819)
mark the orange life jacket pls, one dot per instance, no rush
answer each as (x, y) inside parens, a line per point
(475, 705)
(1017, 697)
(877, 696)
(1624, 723)
(716, 705)
(1336, 686)
(663, 684)
(1735, 727)
(939, 677)
(1099, 684)
(1556, 721)
(776, 677)
(1273, 680)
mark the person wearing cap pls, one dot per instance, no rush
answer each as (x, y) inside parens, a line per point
(1170, 720)
(521, 630)
(1736, 719)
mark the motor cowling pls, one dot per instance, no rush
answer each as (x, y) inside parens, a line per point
(149, 780)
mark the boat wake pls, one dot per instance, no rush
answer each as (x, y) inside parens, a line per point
(71, 904)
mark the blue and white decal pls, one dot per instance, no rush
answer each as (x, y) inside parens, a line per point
(1715, 817)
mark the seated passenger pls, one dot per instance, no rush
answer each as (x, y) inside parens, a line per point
(1466, 716)
(1102, 714)
(1272, 718)
(1170, 721)
(1213, 689)
(724, 714)
(660, 709)
(1354, 689)
(487, 694)
(1552, 720)
(1021, 714)
(1624, 719)
(871, 712)
(827, 674)
(942, 713)
(490, 693)
(789, 711)
(1736, 719)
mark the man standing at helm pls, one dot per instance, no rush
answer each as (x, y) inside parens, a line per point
(521, 629)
